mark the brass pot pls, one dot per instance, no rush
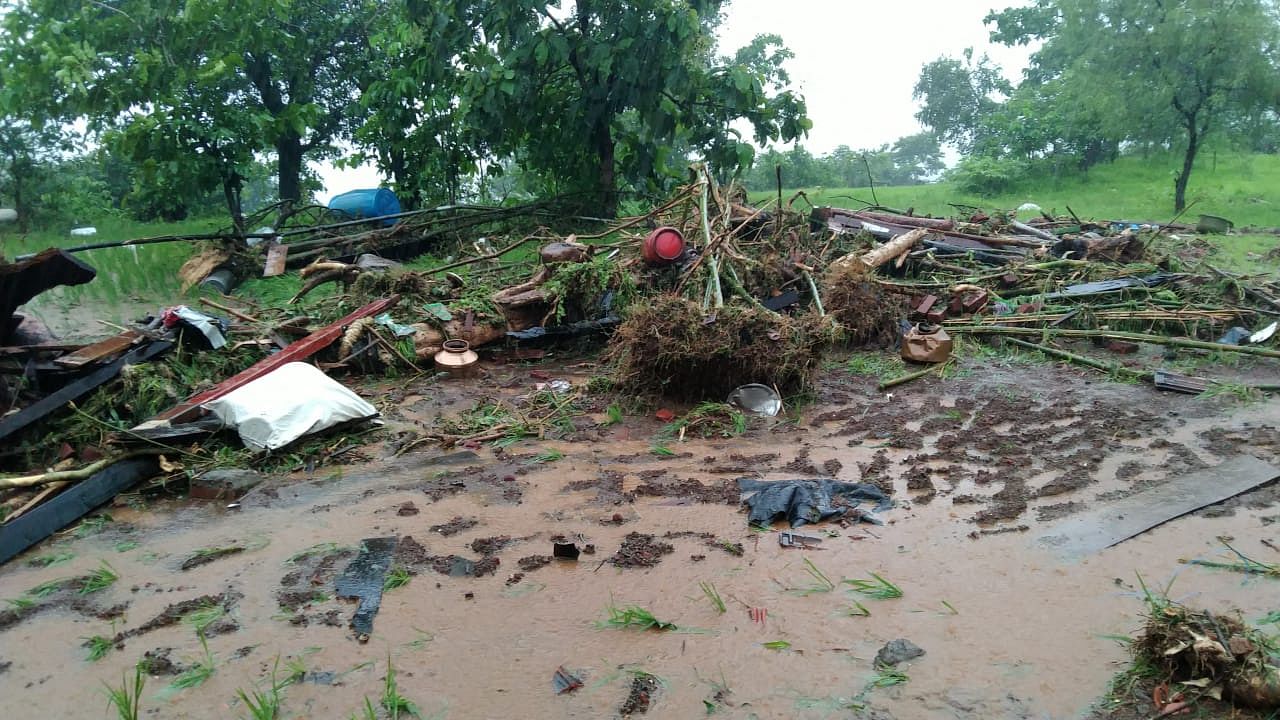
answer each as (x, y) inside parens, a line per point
(457, 358)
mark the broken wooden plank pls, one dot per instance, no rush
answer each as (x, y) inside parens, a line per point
(277, 254)
(73, 504)
(72, 391)
(1091, 532)
(297, 351)
(103, 349)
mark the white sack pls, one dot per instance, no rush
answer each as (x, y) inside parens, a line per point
(287, 403)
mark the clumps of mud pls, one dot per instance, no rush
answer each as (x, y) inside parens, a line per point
(415, 558)
(670, 346)
(313, 571)
(738, 464)
(608, 487)
(533, 562)
(725, 492)
(157, 662)
(709, 539)
(868, 317)
(802, 465)
(491, 545)
(177, 612)
(640, 550)
(456, 525)
(1217, 651)
(876, 472)
(67, 594)
(1045, 513)
(204, 557)
(640, 697)
(1007, 504)
(408, 509)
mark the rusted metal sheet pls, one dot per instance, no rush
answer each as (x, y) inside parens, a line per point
(108, 348)
(297, 351)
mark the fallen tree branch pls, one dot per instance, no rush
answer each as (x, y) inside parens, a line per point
(71, 475)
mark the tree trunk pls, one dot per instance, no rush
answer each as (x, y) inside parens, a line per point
(607, 181)
(231, 186)
(289, 167)
(1188, 161)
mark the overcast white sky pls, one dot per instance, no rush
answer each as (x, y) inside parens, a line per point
(856, 63)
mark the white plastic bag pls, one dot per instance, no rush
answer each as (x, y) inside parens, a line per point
(294, 400)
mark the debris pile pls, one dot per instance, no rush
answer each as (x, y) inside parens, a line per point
(1210, 655)
(700, 297)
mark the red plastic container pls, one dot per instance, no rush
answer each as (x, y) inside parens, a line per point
(663, 246)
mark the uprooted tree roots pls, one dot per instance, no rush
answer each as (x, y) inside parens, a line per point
(672, 346)
(1212, 655)
(867, 316)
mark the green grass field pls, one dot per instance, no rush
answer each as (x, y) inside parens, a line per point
(1242, 188)
(132, 281)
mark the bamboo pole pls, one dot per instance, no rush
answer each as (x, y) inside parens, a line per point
(70, 475)
(1078, 359)
(912, 376)
(1115, 335)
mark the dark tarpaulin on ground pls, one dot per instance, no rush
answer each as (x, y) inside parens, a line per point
(803, 502)
(363, 580)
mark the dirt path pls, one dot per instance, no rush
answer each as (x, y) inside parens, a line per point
(1010, 631)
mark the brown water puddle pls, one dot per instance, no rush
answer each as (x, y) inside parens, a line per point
(1009, 630)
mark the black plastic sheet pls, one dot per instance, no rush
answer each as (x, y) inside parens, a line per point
(803, 502)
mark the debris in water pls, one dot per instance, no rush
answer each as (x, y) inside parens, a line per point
(897, 651)
(640, 550)
(363, 580)
(563, 681)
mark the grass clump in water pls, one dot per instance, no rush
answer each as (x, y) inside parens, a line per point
(876, 588)
(633, 616)
(126, 699)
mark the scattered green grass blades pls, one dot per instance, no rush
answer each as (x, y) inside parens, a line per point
(634, 616)
(714, 596)
(821, 583)
(876, 588)
(202, 617)
(198, 673)
(51, 559)
(45, 589)
(265, 705)
(126, 699)
(98, 647)
(397, 578)
(20, 603)
(100, 579)
(858, 610)
(888, 677)
(613, 414)
(393, 702)
(548, 456)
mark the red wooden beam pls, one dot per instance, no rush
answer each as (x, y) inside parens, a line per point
(296, 351)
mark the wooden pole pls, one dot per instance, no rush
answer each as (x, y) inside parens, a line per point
(1114, 335)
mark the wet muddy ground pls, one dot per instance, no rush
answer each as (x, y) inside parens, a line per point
(483, 615)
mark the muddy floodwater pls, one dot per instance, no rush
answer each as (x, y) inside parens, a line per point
(979, 467)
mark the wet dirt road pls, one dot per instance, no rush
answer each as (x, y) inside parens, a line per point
(1010, 630)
